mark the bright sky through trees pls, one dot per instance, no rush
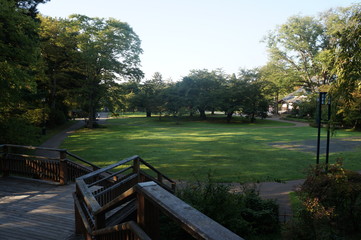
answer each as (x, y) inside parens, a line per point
(180, 35)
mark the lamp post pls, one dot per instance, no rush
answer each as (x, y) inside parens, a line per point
(321, 96)
(322, 101)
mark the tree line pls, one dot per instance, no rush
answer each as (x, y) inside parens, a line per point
(51, 68)
(198, 92)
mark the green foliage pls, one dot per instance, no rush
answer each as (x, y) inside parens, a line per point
(294, 47)
(246, 214)
(18, 56)
(331, 205)
(57, 117)
(18, 131)
(35, 116)
(82, 58)
(306, 109)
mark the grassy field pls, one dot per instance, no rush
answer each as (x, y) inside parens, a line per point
(184, 149)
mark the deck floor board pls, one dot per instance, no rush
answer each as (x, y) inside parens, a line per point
(35, 210)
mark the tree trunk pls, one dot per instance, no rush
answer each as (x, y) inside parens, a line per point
(191, 111)
(202, 114)
(149, 113)
(253, 119)
(229, 116)
(53, 91)
(276, 104)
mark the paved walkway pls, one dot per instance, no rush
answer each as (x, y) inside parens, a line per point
(296, 124)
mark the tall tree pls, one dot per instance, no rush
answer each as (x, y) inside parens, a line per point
(297, 45)
(345, 33)
(19, 68)
(232, 96)
(200, 89)
(150, 96)
(254, 102)
(279, 81)
(344, 28)
(19, 54)
(110, 49)
(62, 66)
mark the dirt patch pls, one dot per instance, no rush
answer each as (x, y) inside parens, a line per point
(336, 145)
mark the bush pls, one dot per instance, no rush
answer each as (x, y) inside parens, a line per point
(56, 117)
(331, 205)
(35, 116)
(245, 214)
(18, 131)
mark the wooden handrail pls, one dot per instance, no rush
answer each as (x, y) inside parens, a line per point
(115, 202)
(87, 196)
(150, 178)
(108, 168)
(109, 189)
(110, 176)
(194, 222)
(155, 170)
(33, 156)
(82, 160)
(34, 148)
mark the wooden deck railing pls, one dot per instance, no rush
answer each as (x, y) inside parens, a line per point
(130, 194)
(153, 199)
(57, 165)
(104, 200)
(120, 201)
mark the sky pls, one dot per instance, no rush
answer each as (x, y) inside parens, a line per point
(181, 35)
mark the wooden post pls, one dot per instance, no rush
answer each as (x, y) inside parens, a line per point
(148, 217)
(136, 165)
(78, 222)
(99, 221)
(160, 177)
(63, 168)
(136, 168)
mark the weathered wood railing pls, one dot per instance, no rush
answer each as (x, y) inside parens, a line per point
(133, 194)
(103, 201)
(152, 199)
(57, 165)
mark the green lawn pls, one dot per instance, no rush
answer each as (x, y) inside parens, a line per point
(183, 149)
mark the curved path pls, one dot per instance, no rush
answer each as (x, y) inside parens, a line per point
(296, 124)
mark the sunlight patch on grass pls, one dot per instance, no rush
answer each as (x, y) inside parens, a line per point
(235, 152)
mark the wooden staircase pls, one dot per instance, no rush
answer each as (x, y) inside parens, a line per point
(120, 201)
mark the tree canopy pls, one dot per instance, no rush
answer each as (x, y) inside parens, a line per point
(50, 67)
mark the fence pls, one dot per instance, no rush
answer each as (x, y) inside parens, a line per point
(57, 165)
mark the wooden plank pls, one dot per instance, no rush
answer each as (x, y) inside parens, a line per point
(194, 222)
(34, 148)
(87, 195)
(117, 201)
(35, 210)
(105, 169)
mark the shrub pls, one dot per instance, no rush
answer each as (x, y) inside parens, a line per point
(35, 116)
(245, 214)
(331, 205)
(56, 117)
(18, 131)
